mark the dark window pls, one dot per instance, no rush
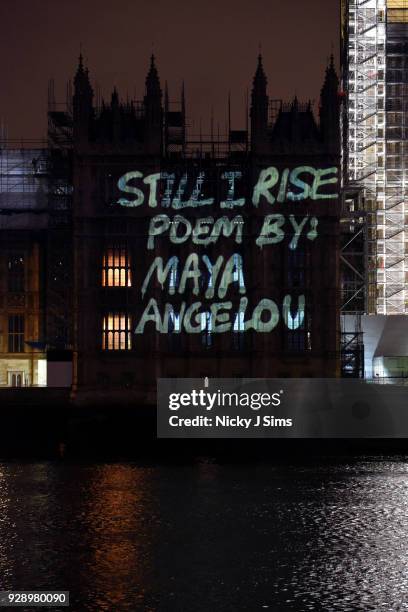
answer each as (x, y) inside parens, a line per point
(174, 329)
(299, 339)
(238, 336)
(238, 340)
(206, 328)
(15, 267)
(296, 341)
(16, 334)
(296, 268)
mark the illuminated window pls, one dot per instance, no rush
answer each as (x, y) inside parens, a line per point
(397, 4)
(15, 268)
(397, 16)
(116, 334)
(116, 270)
(16, 334)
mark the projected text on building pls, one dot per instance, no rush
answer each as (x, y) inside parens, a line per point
(208, 276)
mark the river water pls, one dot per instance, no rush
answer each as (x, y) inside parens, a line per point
(207, 537)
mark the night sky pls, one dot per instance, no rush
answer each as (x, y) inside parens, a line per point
(211, 44)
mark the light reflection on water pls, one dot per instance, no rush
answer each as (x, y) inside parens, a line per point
(208, 537)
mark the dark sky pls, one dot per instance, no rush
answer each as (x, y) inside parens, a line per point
(212, 44)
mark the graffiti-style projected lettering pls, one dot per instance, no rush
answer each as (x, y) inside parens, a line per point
(191, 215)
(233, 273)
(319, 182)
(298, 227)
(203, 231)
(196, 198)
(220, 318)
(163, 273)
(303, 188)
(275, 228)
(124, 185)
(152, 180)
(213, 271)
(312, 188)
(271, 232)
(230, 202)
(296, 321)
(267, 180)
(273, 185)
(193, 271)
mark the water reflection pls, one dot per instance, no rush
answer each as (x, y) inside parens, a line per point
(6, 526)
(208, 537)
(119, 518)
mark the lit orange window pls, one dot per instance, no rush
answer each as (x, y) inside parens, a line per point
(116, 271)
(397, 4)
(117, 335)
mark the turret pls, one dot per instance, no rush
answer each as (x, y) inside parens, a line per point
(330, 109)
(82, 103)
(153, 111)
(259, 110)
(183, 112)
(115, 116)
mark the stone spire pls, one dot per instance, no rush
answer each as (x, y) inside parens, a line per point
(259, 109)
(153, 111)
(82, 102)
(330, 107)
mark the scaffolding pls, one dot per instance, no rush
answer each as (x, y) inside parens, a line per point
(23, 178)
(353, 283)
(376, 151)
